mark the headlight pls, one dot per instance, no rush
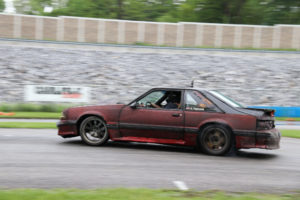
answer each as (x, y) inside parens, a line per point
(63, 115)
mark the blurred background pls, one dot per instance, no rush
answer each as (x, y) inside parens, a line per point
(108, 51)
(259, 12)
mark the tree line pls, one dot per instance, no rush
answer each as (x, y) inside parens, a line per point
(260, 12)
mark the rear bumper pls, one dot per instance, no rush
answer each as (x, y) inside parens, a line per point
(264, 139)
(67, 128)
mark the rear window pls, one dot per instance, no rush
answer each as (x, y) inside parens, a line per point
(226, 99)
(196, 101)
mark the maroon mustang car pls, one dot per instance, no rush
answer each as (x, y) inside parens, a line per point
(190, 117)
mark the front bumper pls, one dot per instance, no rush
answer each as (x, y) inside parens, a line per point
(67, 128)
(264, 139)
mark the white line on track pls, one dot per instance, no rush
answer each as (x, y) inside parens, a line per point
(180, 185)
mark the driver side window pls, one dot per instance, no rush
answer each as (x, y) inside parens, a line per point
(151, 98)
(161, 99)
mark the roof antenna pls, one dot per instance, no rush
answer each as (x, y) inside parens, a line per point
(192, 83)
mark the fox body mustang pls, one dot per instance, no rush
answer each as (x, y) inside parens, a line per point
(190, 117)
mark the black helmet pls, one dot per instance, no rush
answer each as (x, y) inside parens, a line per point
(174, 98)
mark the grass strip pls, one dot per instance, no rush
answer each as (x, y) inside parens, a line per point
(220, 48)
(290, 133)
(287, 118)
(134, 194)
(38, 125)
(32, 107)
(33, 115)
(56, 115)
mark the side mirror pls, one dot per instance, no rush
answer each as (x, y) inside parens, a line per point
(134, 105)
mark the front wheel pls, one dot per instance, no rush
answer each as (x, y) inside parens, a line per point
(93, 131)
(215, 140)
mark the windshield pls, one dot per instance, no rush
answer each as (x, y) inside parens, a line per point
(226, 99)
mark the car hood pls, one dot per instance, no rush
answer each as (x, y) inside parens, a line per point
(99, 107)
(75, 112)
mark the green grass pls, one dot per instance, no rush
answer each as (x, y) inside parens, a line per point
(33, 115)
(211, 47)
(287, 118)
(290, 133)
(31, 107)
(38, 125)
(135, 194)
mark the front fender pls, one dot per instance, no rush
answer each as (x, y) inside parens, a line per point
(95, 113)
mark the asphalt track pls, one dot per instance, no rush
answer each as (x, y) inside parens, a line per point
(35, 158)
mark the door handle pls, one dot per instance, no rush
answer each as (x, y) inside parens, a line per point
(176, 114)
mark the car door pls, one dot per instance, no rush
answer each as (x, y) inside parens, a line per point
(140, 119)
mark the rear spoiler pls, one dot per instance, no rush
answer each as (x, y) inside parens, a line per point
(269, 112)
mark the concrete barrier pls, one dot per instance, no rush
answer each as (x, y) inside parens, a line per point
(182, 34)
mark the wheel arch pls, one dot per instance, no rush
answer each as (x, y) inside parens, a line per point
(215, 123)
(226, 126)
(83, 117)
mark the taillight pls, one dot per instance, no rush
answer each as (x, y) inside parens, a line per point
(265, 124)
(272, 113)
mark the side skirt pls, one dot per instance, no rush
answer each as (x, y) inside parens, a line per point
(150, 140)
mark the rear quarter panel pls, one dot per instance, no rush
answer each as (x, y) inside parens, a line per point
(196, 119)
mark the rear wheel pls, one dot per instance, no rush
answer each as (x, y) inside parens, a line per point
(93, 131)
(215, 140)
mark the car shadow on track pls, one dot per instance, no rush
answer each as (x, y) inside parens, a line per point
(135, 145)
(152, 147)
(255, 155)
(171, 148)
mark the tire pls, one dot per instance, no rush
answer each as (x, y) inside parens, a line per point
(215, 140)
(93, 131)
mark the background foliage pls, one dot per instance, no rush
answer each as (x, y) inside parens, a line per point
(2, 5)
(262, 12)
